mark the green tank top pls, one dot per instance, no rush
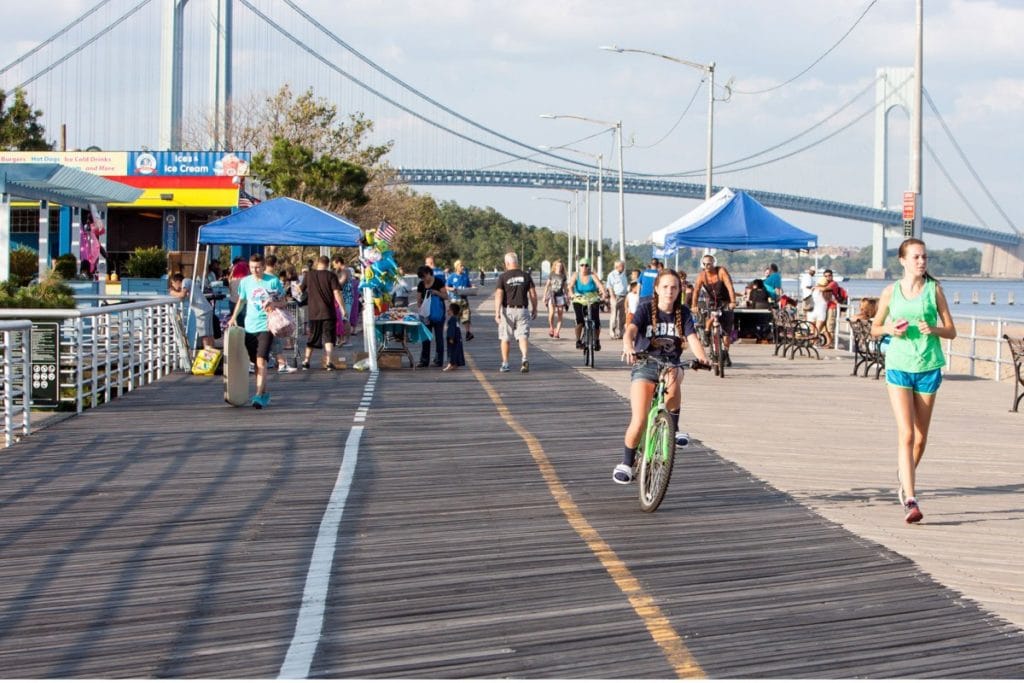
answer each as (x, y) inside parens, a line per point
(914, 352)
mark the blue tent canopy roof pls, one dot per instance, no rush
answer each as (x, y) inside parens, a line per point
(737, 222)
(283, 221)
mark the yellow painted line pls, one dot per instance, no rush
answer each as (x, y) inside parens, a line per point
(657, 624)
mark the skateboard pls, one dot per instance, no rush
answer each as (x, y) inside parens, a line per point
(236, 367)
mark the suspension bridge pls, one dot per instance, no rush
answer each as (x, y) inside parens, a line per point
(175, 74)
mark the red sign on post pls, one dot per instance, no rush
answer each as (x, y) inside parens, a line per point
(909, 204)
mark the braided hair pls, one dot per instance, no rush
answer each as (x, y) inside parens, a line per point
(677, 307)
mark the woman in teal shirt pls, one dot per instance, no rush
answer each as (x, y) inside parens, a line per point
(913, 310)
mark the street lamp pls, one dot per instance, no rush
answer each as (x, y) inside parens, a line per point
(708, 69)
(568, 221)
(600, 202)
(617, 125)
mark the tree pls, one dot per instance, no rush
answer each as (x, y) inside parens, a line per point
(19, 125)
(292, 169)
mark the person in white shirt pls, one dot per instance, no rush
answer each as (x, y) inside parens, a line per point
(618, 288)
(807, 282)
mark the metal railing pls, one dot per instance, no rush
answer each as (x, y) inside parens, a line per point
(107, 351)
(15, 341)
(979, 344)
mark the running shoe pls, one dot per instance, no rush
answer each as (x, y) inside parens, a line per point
(504, 368)
(469, 336)
(622, 474)
(305, 365)
(257, 401)
(682, 439)
(525, 367)
(286, 370)
(913, 512)
(265, 398)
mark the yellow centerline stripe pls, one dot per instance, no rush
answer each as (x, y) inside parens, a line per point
(643, 603)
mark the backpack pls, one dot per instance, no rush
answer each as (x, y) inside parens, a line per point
(841, 295)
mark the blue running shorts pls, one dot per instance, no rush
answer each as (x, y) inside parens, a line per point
(919, 382)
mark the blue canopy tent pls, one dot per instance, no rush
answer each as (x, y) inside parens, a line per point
(284, 221)
(733, 221)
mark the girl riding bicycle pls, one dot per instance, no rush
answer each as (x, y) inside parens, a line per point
(587, 291)
(659, 328)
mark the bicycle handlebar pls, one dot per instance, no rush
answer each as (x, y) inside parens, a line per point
(694, 364)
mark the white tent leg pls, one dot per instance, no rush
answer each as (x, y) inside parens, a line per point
(369, 335)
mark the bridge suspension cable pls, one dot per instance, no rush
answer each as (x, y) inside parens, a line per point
(54, 37)
(963, 157)
(387, 74)
(104, 31)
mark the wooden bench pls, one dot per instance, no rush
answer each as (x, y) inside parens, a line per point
(1017, 353)
(867, 351)
(793, 336)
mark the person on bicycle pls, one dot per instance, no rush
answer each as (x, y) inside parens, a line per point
(587, 291)
(715, 284)
(659, 328)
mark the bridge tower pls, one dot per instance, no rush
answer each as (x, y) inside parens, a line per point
(172, 73)
(895, 89)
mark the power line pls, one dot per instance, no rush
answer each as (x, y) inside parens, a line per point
(678, 121)
(815, 62)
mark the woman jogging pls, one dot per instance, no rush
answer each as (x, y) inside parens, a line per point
(913, 310)
(659, 329)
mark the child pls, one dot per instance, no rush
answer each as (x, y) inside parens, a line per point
(453, 336)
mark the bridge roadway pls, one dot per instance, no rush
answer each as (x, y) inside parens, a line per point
(168, 534)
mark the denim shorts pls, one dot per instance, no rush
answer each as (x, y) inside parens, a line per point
(919, 382)
(645, 370)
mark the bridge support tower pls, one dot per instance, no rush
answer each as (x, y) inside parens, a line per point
(999, 261)
(895, 88)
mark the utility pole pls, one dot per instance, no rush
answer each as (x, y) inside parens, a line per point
(914, 227)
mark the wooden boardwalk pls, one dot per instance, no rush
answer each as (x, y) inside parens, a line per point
(169, 535)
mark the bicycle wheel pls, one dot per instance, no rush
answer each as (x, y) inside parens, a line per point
(591, 341)
(718, 352)
(585, 338)
(656, 466)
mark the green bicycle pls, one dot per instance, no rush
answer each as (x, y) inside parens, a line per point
(657, 448)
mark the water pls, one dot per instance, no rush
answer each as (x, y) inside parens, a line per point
(965, 287)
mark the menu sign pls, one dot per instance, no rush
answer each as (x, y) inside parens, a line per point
(45, 365)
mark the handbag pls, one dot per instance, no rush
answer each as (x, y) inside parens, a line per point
(432, 308)
(206, 362)
(280, 322)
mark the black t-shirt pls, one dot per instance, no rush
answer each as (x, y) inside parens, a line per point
(662, 338)
(438, 286)
(320, 286)
(516, 285)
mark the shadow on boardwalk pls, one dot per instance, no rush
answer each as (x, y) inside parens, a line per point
(169, 535)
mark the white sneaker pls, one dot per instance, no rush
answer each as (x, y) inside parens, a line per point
(622, 474)
(286, 370)
(682, 439)
(504, 368)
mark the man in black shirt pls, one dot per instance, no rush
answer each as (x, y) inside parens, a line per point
(515, 289)
(322, 291)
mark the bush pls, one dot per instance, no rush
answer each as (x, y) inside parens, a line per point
(66, 266)
(147, 262)
(52, 292)
(24, 264)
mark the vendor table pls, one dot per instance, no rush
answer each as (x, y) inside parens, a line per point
(394, 337)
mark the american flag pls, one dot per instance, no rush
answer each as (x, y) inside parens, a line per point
(386, 232)
(246, 200)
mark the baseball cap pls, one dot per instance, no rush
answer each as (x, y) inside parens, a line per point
(584, 262)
